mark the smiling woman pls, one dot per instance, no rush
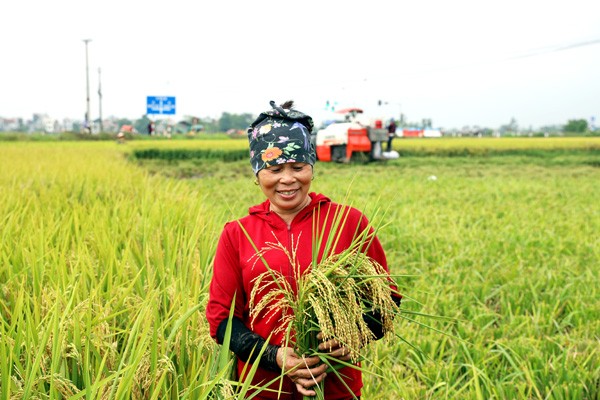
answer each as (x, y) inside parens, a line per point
(287, 236)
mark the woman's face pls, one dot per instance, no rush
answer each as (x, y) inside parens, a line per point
(286, 186)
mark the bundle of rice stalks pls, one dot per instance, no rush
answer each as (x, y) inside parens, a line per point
(332, 298)
(342, 289)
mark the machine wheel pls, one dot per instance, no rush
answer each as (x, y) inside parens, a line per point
(338, 153)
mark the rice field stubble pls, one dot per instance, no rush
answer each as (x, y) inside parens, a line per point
(104, 270)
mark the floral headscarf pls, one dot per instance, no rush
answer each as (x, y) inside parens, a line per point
(280, 136)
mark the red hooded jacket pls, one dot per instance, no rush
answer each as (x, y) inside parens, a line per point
(235, 268)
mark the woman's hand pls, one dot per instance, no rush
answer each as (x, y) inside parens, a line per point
(305, 372)
(333, 348)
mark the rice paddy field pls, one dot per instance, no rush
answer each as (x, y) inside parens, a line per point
(106, 252)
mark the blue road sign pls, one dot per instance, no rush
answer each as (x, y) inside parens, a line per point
(160, 105)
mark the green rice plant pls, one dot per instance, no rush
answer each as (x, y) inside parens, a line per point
(432, 145)
(506, 246)
(186, 154)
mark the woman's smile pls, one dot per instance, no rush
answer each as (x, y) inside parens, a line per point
(288, 192)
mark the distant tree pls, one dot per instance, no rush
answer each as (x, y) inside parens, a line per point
(487, 131)
(141, 125)
(77, 126)
(22, 126)
(234, 121)
(123, 121)
(223, 124)
(576, 126)
(226, 121)
(551, 129)
(511, 127)
(210, 125)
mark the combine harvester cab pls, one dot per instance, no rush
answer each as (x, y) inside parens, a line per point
(340, 141)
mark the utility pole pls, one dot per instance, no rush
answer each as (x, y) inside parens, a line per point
(87, 125)
(100, 100)
(400, 115)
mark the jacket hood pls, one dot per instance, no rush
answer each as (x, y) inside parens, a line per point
(263, 210)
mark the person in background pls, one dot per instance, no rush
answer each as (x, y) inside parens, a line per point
(120, 138)
(391, 134)
(150, 128)
(282, 158)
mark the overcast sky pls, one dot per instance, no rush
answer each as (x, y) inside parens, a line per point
(457, 62)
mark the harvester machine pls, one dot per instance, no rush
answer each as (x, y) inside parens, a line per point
(352, 136)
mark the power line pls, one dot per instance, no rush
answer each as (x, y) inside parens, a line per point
(556, 49)
(528, 54)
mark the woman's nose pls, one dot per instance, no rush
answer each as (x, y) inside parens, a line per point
(288, 176)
